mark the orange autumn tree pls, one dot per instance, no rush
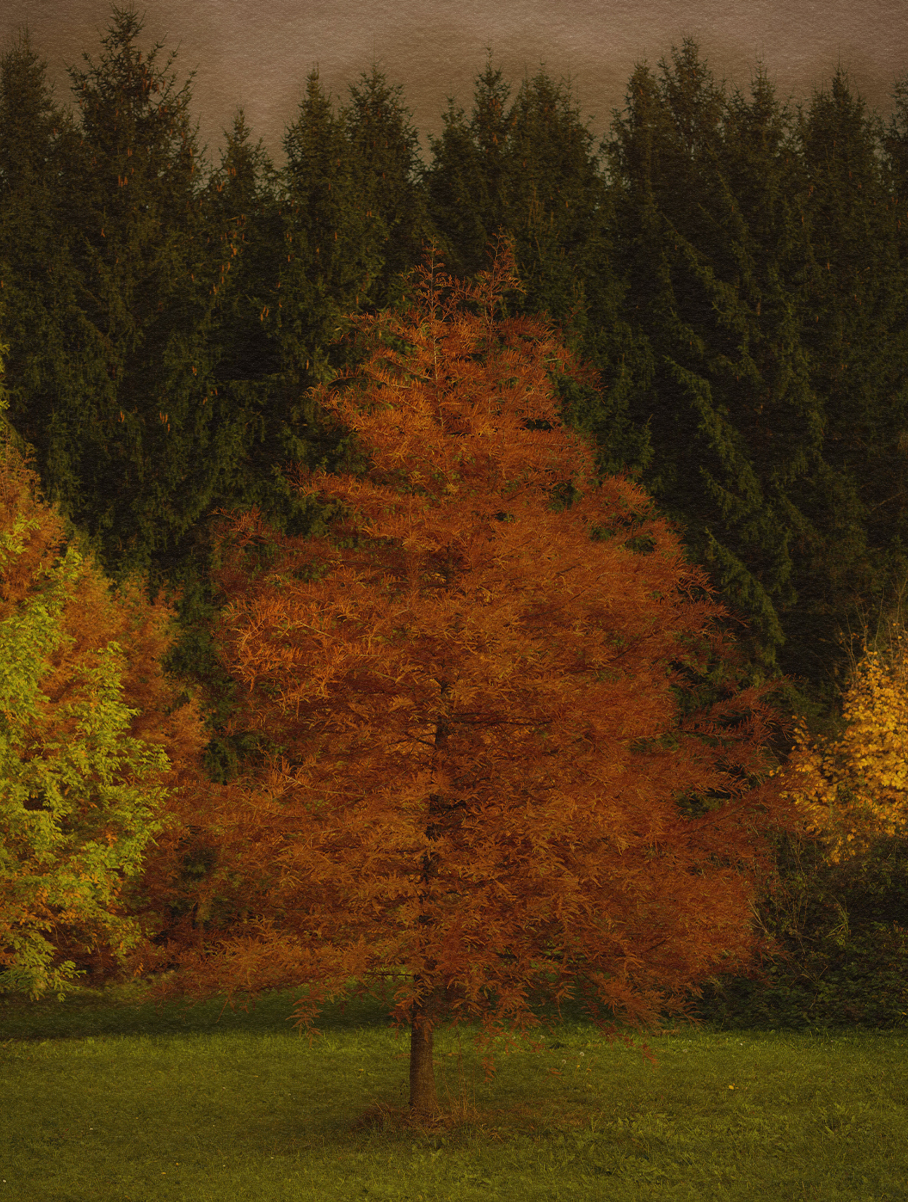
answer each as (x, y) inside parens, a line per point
(481, 773)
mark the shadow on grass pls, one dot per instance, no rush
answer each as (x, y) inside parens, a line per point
(115, 1010)
(118, 1009)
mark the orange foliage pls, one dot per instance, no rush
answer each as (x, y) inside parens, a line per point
(480, 750)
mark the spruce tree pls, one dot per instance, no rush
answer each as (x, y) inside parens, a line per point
(136, 443)
(855, 297)
(715, 256)
(37, 282)
(555, 197)
(331, 241)
(531, 170)
(467, 179)
(388, 173)
(560, 217)
(242, 215)
(297, 253)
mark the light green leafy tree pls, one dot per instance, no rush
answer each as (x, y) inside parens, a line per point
(84, 773)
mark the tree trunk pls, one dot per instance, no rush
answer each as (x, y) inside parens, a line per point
(423, 1099)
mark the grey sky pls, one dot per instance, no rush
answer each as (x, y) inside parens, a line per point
(258, 55)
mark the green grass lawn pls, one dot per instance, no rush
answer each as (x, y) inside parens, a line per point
(104, 1100)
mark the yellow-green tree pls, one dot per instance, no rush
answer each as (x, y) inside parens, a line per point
(853, 788)
(93, 742)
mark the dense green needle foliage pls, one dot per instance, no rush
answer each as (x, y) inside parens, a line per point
(39, 307)
(711, 233)
(531, 170)
(387, 169)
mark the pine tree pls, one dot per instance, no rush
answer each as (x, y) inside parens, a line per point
(388, 172)
(467, 179)
(854, 299)
(135, 444)
(715, 255)
(331, 241)
(481, 776)
(36, 278)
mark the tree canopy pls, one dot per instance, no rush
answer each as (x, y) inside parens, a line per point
(480, 771)
(94, 744)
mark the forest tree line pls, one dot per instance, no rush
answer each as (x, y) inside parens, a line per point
(735, 271)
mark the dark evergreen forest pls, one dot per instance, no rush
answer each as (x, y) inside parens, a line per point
(735, 270)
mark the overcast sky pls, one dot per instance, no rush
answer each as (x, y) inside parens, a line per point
(258, 54)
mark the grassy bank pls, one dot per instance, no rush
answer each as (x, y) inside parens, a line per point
(106, 1100)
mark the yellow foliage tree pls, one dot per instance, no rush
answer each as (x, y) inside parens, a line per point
(853, 789)
(100, 759)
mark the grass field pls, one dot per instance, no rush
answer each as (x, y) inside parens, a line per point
(108, 1101)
